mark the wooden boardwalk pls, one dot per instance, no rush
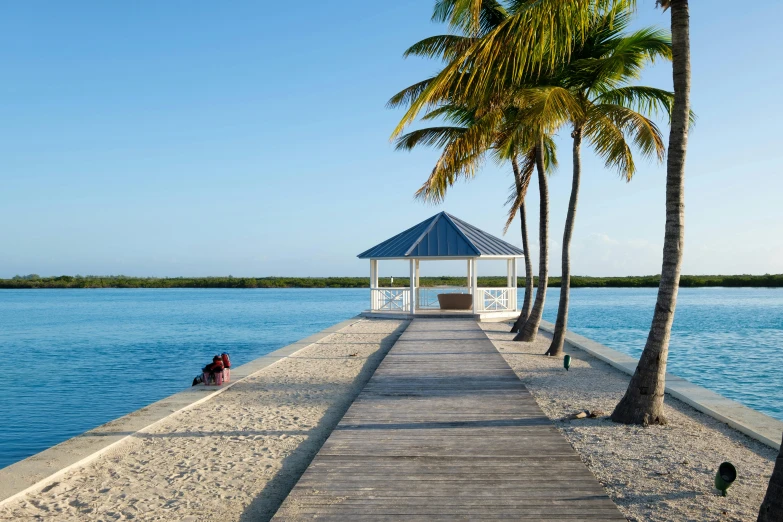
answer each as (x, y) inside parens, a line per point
(444, 430)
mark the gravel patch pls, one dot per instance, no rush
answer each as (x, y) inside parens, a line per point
(661, 473)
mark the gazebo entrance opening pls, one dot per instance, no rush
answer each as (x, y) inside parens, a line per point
(444, 237)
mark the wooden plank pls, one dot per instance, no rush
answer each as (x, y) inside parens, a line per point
(444, 430)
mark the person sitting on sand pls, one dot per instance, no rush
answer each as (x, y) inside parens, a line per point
(214, 372)
(226, 366)
(217, 369)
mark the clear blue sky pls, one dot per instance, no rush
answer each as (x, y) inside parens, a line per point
(250, 138)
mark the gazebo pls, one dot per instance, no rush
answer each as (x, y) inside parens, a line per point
(443, 237)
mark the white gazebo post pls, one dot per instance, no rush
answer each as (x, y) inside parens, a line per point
(508, 273)
(418, 285)
(470, 276)
(474, 284)
(413, 286)
(511, 271)
(373, 284)
(514, 281)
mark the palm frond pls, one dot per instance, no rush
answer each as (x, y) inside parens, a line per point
(607, 127)
(444, 47)
(430, 137)
(452, 113)
(523, 173)
(461, 157)
(550, 155)
(441, 179)
(536, 37)
(473, 17)
(547, 108)
(647, 100)
(409, 94)
(643, 131)
(626, 58)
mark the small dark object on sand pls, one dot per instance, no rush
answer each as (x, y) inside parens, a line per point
(725, 477)
(584, 414)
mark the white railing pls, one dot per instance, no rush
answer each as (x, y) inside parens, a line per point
(391, 299)
(427, 298)
(496, 299)
(399, 299)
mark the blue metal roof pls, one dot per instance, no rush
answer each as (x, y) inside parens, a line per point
(442, 235)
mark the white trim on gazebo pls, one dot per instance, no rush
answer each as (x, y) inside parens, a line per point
(443, 237)
(415, 297)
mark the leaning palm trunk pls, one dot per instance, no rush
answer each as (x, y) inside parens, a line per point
(643, 400)
(561, 324)
(772, 507)
(530, 329)
(527, 302)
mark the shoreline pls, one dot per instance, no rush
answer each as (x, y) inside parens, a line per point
(34, 472)
(314, 361)
(753, 423)
(34, 282)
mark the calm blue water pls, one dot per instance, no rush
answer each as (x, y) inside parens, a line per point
(79, 358)
(729, 340)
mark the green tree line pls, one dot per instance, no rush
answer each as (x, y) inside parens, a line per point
(692, 281)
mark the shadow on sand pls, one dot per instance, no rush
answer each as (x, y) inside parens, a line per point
(264, 506)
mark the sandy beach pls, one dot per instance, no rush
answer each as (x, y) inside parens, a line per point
(238, 455)
(653, 473)
(234, 457)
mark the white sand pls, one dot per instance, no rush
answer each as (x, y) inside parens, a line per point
(653, 473)
(234, 457)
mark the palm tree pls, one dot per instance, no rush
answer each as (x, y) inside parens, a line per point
(447, 47)
(530, 41)
(643, 400)
(534, 38)
(534, 317)
(522, 175)
(505, 46)
(610, 110)
(503, 50)
(592, 88)
(517, 203)
(772, 506)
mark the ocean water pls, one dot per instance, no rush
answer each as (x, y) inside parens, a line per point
(76, 359)
(729, 340)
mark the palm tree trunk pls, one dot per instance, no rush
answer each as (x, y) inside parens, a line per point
(772, 507)
(530, 329)
(643, 400)
(561, 324)
(528, 301)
